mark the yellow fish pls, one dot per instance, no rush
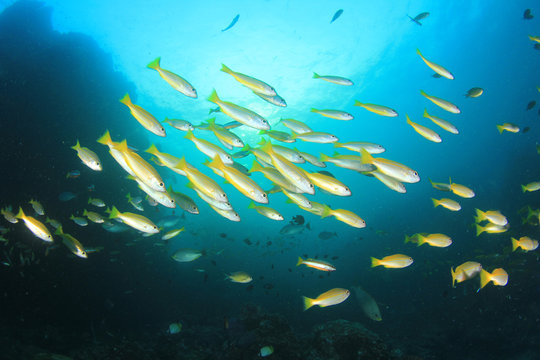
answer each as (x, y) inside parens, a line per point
(38, 208)
(202, 182)
(499, 277)
(93, 216)
(524, 242)
(441, 123)
(297, 199)
(239, 277)
(176, 81)
(329, 298)
(444, 104)
(35, 226)
(224, 135)
(397, 261)
(115, 153)
(170, 234)
(88, 157)
(338, 80)
(147, 120)
(447, 203)
(141, 168)
(436, 240)
(493, 216)
(240, 114)
(164, 159)
(440, 186)
(461, 190)
(333, 114)
(136, 221)
(72, 244)
(465, 271)
(507, 127)
(251, 83)
(534, 186)
(328, 183)
(209, 149)
(346, 216)
(377, 109)
(534, 38)
(295, 125)
(389, 181)
(435, 67)
(490, 228)
(391, 168)
(266, 211)
(424, 131)
(316, 264)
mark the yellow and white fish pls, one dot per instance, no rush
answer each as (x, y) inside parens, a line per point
(295, 125)
(391, 168)
(389, 181)
(184, 201)
(176, 81)
(38, 208)
(507, 127)
(172, 233)
(329, 298)
(491, 228)
(251, 83)
(316, 137)
(224, 135)
(8, 215)
(266, 211)
(274, 176)
(147, 120)
(241, 277)
(499, 277)
(346, 216)
(447, 203)
(461, 190)
(441, 123)
(316, 264)
(209, 149)
(312, 159)
(533, 186)
(328, 183)
(240, 114)
(338, 80)
(493, 216)
(444, 104)
(223, 205)
(436, 240)
(161, 197)
(334, 114)
(297, 199)
(424, 131)
(93, 216)
(88, 157)
(71, 243)
(278, 135)
(440, 186)
(35, 226)
(182, 125)
(202, 182)
(396, 261)
(377, 109)
(187, 255)
(524, 242)
(227, 214)
(534, 38)
(274, 100)
(358, 145)
(141, 168)
(115, 153)
(435, 67)
(136, 221)
(96, 202)
(465, 271)
(165, 159)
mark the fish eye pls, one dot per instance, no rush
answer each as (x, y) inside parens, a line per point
(311, 186)
(155, 227)
(160, 184)
(415, 173)
(264, 195)
(172, 200)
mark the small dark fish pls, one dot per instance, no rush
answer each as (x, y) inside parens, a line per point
(436, 76)
(66, 196)
(233, 22)
(525, 129)
(419, 17)
(335, 257)
(531, 104)
(73, 174)
(241, 168)
(217, 109)
(268, 286)
(298, 219)
(214, 262)
(327, 173)
(336, 15)
(537, 46)
(257, 243)
(290, 270)
(325, 235)
(91, 188)
(527, 14)
(474, 92)
(248, 242)
(223, 235)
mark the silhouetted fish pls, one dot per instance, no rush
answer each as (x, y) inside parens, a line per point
(419, 17)
(527, 14)
(336, 15)
(233, 22)
(531, 104)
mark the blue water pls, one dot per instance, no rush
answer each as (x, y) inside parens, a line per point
(64, 65)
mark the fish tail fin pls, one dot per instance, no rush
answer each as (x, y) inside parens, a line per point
(326, 211)
(408, 120)
(426, 115)
(423, 93)
(211, 123)
(251, 205)
(89, 200)
(77, 146)
(485, 278)
(255, 167)
(523, 188)
(213, 97)
(20, 214)
(154, 64)
(480, 215)
(453, 273)
(114, 213)
(126, 100)
(324, 157)
(366, 157)
(417, 50)
(515, 244)
(421, 240)
(358, 103)
(59, 231)
(307, 302)
(337, 144)
(300, 261)
(435, 202)
(152, 150)
(266, 146)
(315, 75)
(85, 212)
(189, 135)
(479, 230)
(128, 197)
(105, 139)
(308, 226)
(375, 262)
(182, 164)
(313, 110)
(407, 239)
(226, 69)
(500, 128)
(262, 132)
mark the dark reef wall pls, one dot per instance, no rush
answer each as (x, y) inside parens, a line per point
(54, 88)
